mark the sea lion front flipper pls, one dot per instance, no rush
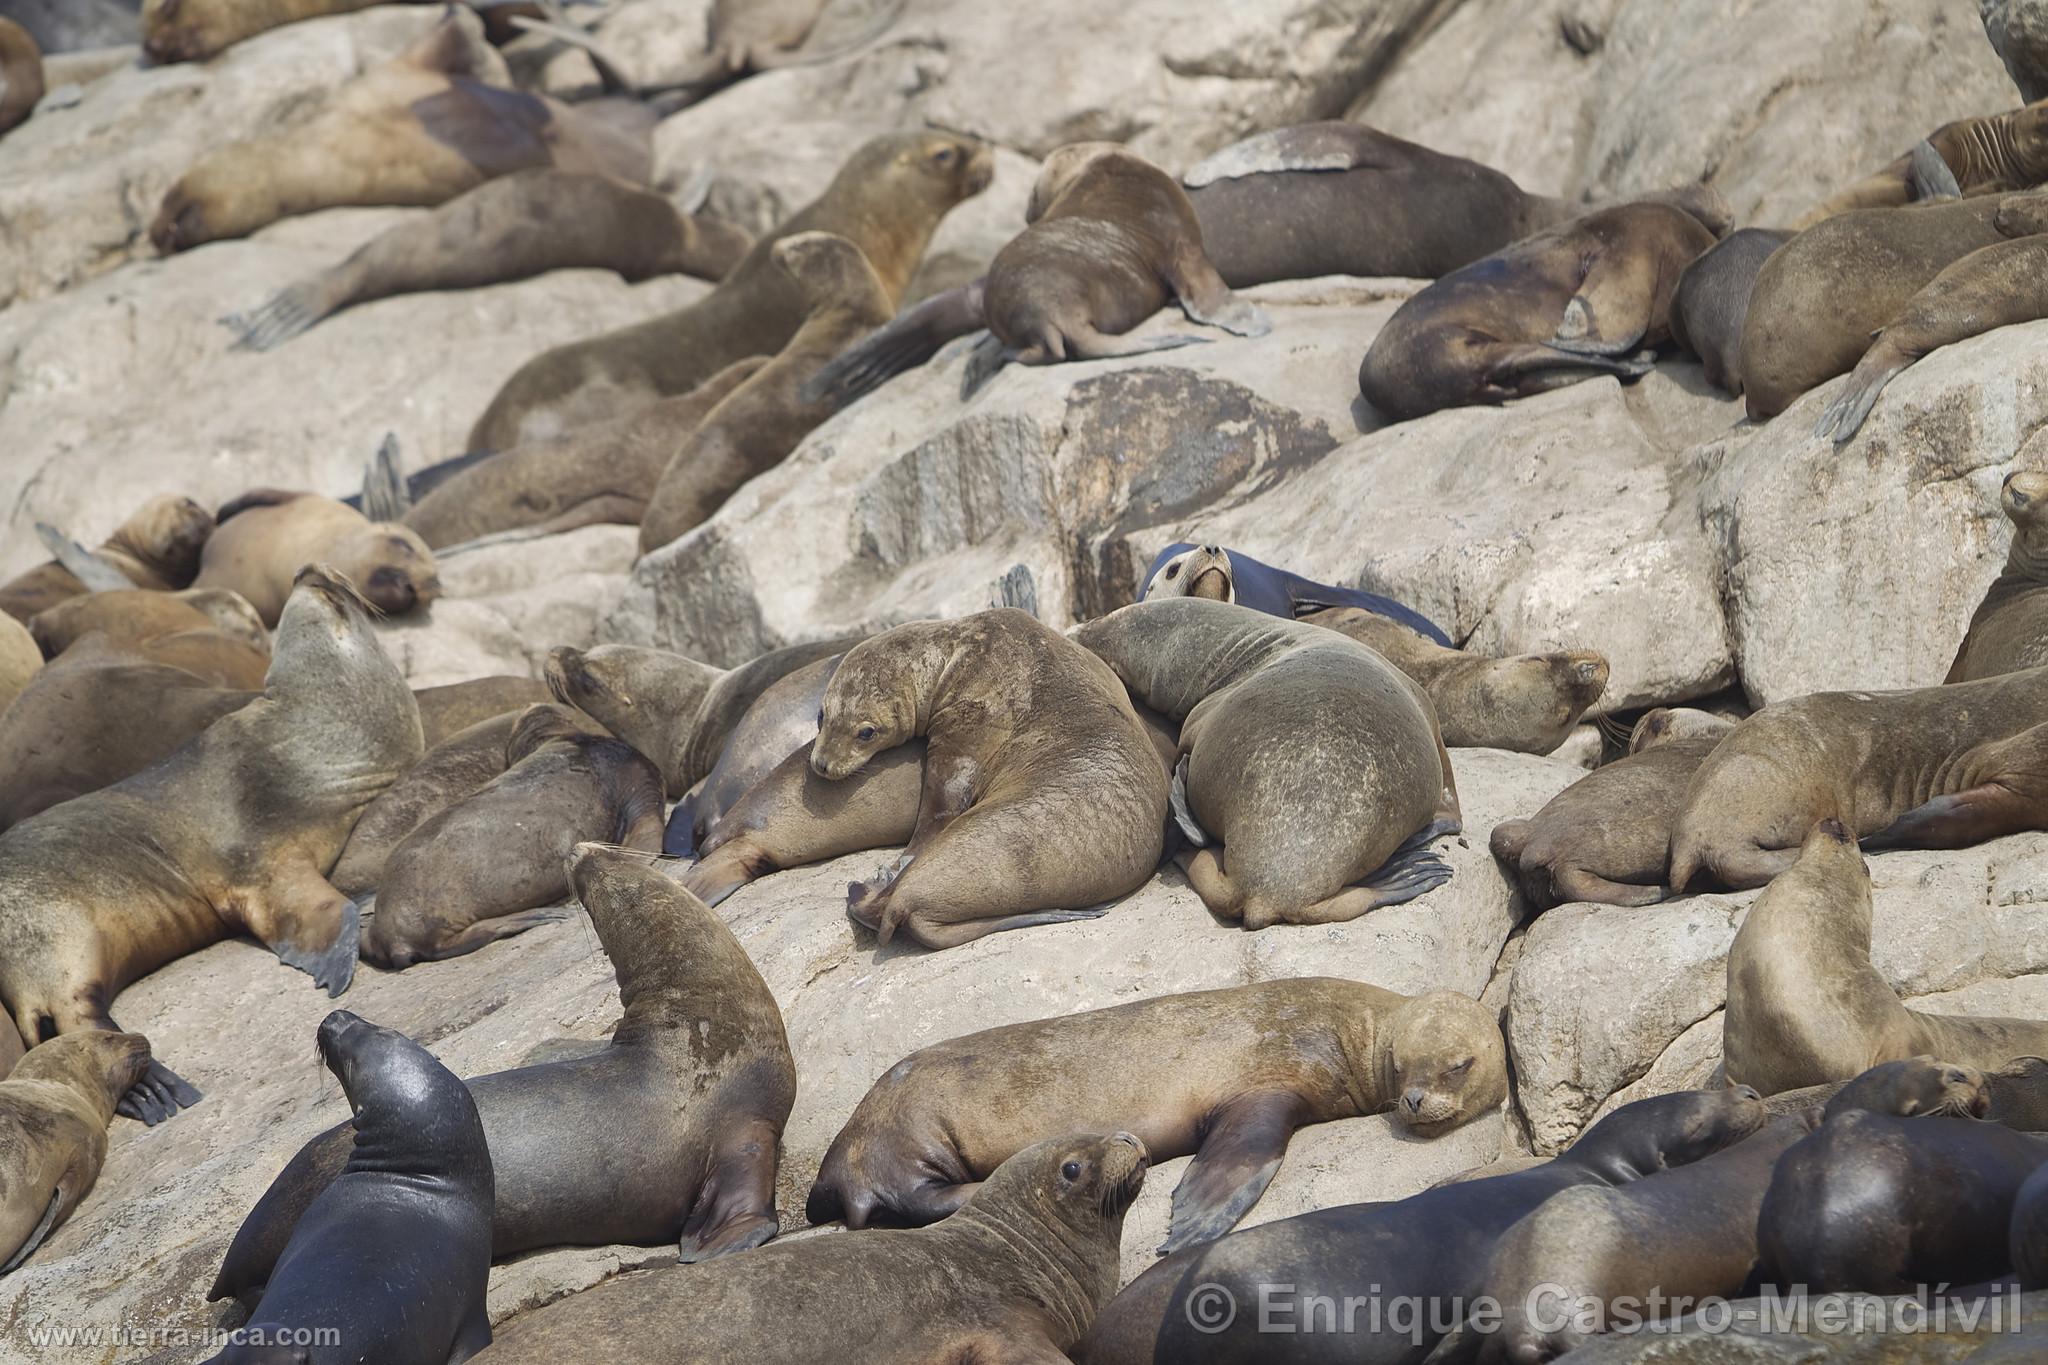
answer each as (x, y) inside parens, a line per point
(908, 340)
(1844, 416)
(158, 1093)
(1183, 814)
(1607, 317)
(82, 564)
(308, 924)
(385, 495)
(1928, 175)
(1329, 146)
(1242, 1145)
(1205, 298)
(735, 1208)
(483, 931)
(42, 1230)
(1412, 870)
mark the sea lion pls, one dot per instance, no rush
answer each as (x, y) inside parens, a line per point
(1043, 796)
(454, 707)
(1822, 296)
(1587, 297)
(2018, 30)
(759, 423)
(511, 228)
(132, 616)
(1870, 1203)
(99, 714)
(157, 547)
(698, 1022)
(265, 536)
(1712, 299)
(600, 472)
(1314, 761)
(418, 130)
(1930, 767)
(2027, 1235)
(648, 697)
(1526, 703)
(395, 1255)
(1663, 724)
(1804, 1004)
(458, 881)
(241, 825)
(782, 720)
(1015, 1276)
(54, 1110)
(887, 200)
(1230, 1074)
(1211, 571)
(1430, 1251)
(20, 660)
(212, 656)
(193, 30)
(1990, 154)
(21, 74)
(2009, 629)
(1909, 1087)
(1607, 837)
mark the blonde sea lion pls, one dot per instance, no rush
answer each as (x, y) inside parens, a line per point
(20, 659)
(2009, 629)
(134, 616)
(54, 1110)
(194, 30)
(21, 74)
(265, 536)
(241, 824)
(1991, 154)
(1229, 1075)
(158, 547)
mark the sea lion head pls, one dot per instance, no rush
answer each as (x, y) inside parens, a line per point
(167, 534)
(937, 167)
(175, 31)
(1446, 1062)
(2024, 500)
(403, 1099)
(1913, 1087)
(1060, 169)
(231, 614)
(100, 1065)
(870, 705)
(1080, 1181)
(391, 565)
(1668, 723)
(1203, 571)
(647, 697)
(1667, 1131)
(323, 633)
(181, 220)
(827, 268)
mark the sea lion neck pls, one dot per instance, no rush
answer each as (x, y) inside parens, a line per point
(412, 1116)
(1053, 1258)
(2026, 560)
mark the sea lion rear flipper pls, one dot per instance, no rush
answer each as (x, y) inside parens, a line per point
(309, 925)
(1928, 175)
(1183, 814)
(1085, 343)
(385, 494)
(1242, 1145)
(156, 1095)
(908, 340)
(490, 930)
(42, 1230)
(735, 1208)
(88, 568)
(1205, 298)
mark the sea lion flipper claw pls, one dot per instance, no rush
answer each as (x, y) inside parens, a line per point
(42, 1230)
(1183, 814)
(1240, 1153)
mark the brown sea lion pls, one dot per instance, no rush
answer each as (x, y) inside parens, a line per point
(511, 228)
(1805, 1006)
(757, 425)
(54, 1112)
(20, 659)
(1587, 297)
(600, 472)
(193, 30)
(211, 655)
(265, 536)
(1312, 760)
(1228, 1076)
(2009, 629)
(1910, 1086)
(1526, 703)
(782, 720)
(241, 826)
(418, 130)
(1712, 299)
(1991, 154)
(494, 863)
(1822, 296)
(887, 200)
(158, 547)
(133, 616)
(1015, 1276)
(1930, 767)
(698, 1021)
(21, 74)
(1043, 796)
(1663, 724)
(454, 707)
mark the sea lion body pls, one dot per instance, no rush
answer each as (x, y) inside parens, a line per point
(698, 1021)
(2027, 1234)
(158, 547)
(266, 536)
(1308, 756)
(782, 720)
(511, 228)
(1933, 767)
(130, 616)
(395, 1255)
(1223, 575)
(1043, 795)
(1229, 1075)
(1712, 299)
(2009, 629)
(241, 825)
(1990, 154)
(1586, 297)
(887, 200)
(193, 30)
(55, 1106)
(453, 707)
(1431, 1249)
(21, 74)
(1805, 1005)
(1016, 1275)
(494, 863)
(20, 660)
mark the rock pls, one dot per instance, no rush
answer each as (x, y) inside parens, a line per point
(68, 25)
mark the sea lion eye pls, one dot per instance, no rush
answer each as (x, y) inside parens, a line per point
(945, 157)
(1072, 1170)
(1461, 1068)
(865, 733)
(821, 718)
(1173, 570)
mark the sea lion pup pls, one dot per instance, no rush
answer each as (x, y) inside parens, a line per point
(99, 714)
(597, 473)
(1526, 703)
(692, 1093)
(1016, 1275)
(1043, 796)
(21, 658)
(782, 720)
(1429, 1250)
(1870, 1203)
(1822, 296)
(54, 1110)
(1607, 837)
(267, 534)
(1990, 154)
(511, 228)
(1591, 296)
(1712, 299)
(394, 1255)
(1929, 767)
(418, 130)
(1908, 1087)
(757, 425)
(1805, 1006)
(133, 616)
(887, 200)
(21, 74)
(157, 547)
(1221, 575)
(1311, 759)
(1230, 1075)
(242, 824)
(455, 883)
(454, 707)
(2009, 629)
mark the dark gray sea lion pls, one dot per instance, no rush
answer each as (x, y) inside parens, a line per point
(1713, 299)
